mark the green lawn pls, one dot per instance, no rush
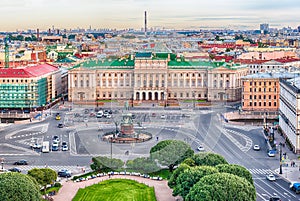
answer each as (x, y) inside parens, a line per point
(116, 190)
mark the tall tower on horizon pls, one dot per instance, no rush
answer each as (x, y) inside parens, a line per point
(145, 22)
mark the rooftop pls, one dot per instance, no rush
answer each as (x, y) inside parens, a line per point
(27, 72)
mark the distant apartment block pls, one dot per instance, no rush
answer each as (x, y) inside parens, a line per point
(289, 110)
(157, 77)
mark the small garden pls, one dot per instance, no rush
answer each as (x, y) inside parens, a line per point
(115, 189)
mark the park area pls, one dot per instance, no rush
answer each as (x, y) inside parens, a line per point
(114, 189)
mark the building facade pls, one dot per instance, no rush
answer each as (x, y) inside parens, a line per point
(289, 111)
(155, 77)
(29, 87)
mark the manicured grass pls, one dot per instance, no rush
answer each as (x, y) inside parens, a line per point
(116, 190)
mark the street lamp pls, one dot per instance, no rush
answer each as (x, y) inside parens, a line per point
(2, 161)
(193, 99)
(280, 159)
(132, 100)
(165, 98)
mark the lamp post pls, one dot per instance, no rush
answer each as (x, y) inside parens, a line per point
(132, 100)
(165, 99)
(280, 159)
(193, 99)
(111, 138)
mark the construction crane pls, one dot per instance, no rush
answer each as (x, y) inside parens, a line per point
(6, 52)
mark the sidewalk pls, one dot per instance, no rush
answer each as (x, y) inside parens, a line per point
(289, 172)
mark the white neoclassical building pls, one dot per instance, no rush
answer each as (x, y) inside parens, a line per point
(289, 110)
(155, 77)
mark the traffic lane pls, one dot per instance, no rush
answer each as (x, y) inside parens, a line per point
(266, 189)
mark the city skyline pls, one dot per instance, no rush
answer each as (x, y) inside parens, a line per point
(124, 14)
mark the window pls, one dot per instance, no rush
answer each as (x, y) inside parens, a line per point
(275, 97)
(275, 104)
(254, 104)
(270, 104)
(250, 97)
(250, 89)
(254, 96)
(265, 103)
(250, 104)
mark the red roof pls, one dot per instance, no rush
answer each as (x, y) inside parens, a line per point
(287, 60)
(27, 72)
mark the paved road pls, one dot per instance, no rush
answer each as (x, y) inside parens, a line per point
(199, 127)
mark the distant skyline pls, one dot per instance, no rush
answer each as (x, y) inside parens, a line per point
(169, 14)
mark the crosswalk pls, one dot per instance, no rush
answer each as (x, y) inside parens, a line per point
(259, 171)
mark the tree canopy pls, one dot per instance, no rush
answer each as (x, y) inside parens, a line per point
(218, 186)
(143, 165)
(43, 176)
(209, 159)
(171, 153)
(189, 177)
(236, 170)
(16, 186)
(176, 173)
(105, 164)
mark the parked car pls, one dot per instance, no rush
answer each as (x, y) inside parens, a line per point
(21, 162)
(295, 187)
(60, 125)
(271, 177)
(256, 147)
(14, 170)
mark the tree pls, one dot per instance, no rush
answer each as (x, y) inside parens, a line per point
(43, 176)
(222, 186)
(143, 165)
(209, 159)
(189, 177)
(190, 162)
(171, 153)
(105, 164)
(236, 170)
(16, 186)
(176, 173)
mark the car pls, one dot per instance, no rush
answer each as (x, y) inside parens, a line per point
(60, 125)
(36, 146)
(274, 199)
(64, 173)
(271, 153)
(64, 143)
(14, 170)
(65, 148)
(85, 120)
(105, 114)
(200, 148)
(256, 147)
(57, 117)
(55, 139)
(271, 177)
(163, 116)
(21, 162)
(108, 116)
(54, 147)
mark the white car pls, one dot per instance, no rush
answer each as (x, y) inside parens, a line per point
(256, 147)
(271, 153)
(271, 177)
(200, 148)
(65, 148)
(163, 116)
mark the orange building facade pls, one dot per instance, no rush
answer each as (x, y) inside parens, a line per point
(260, 93)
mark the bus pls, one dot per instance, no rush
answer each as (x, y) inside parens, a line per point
(45, 147)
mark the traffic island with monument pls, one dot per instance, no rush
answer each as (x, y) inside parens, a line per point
(127, 133)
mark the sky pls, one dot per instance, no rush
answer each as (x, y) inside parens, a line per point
(168, 14)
